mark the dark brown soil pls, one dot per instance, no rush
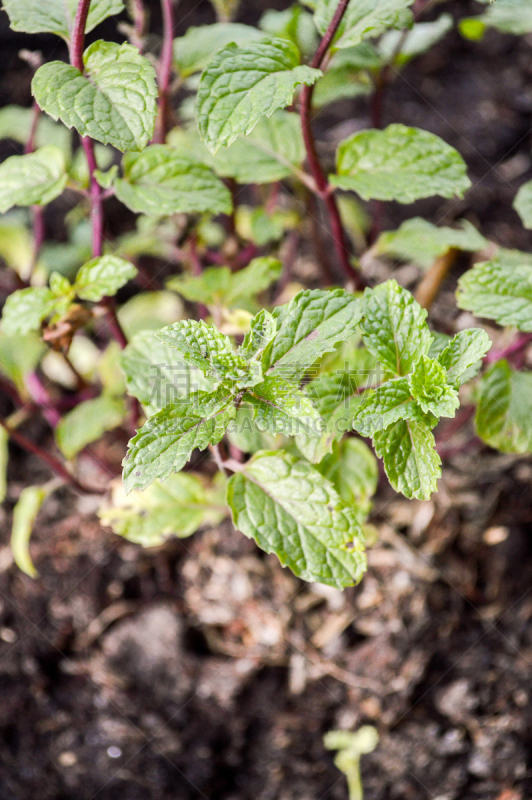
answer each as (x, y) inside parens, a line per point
(204, 670)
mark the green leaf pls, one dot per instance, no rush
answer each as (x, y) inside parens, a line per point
(394, 46)
(221, 286)
(399, 163)
(24, 515)
(498, 291)
(293, 511)
(255, 278)
(353, 471)
(177, 507)
(33, 179)
(508, 16)
(429, 387)
(203, 346)
(149, 311)
(156, 374)
(4, 457)
(56, 16)
(260, 334)
(523, 204)
(385, 405)
(194, 50)
(16, 123)
(161, 180)
(87, 422)
(242, 432)
(274, 150)
(19, 355)
(309, 326)
(243, 84)
(394, 327)
(412, 464)
(165, 443)
(113, 102)
(504, 409)
(341, 82)
(421, 242)
(103, 277)
(280, 407)
(292, 23)
(363, 19)
(464, 351)
(25, 309)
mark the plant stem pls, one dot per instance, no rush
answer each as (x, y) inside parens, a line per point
(320, 179)
(520, 342)
(431, 283)
(165, 72)
(77, 40)
(54, 463)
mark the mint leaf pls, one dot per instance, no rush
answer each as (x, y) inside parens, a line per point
(87, 422)
(353, 471)
(292, 23)
(412, 464)
(340, 82)
(421, 242)
(421, 37)
(260, 334)
(280, 407)
(429, 387)
(24, 514)
(33, 179)
(243, 84)
(504, 409)
(385, 405)
(162, 181)
(363, 19)
(508, 16)
(177, 507)
(204, 347)
(165, 443)
(465, 350)
(103, 277)
(309, 326)
(293, 511)
(56, 16)
(523, 204)
(19, 355)
(113, 102)
(399, 163)
(273, 151)
(394, 327)
(156, 373)
(242, 432)
(25, 309)
(498, 291)
(194, 50)
(255, 278)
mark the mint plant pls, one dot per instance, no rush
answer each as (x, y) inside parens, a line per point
(292, 392)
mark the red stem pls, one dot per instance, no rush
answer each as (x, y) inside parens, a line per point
(78, 34)
(54, 464)
(165, 72)
(322, 185)
(519, 343)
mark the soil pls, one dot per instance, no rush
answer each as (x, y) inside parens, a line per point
(204, 670)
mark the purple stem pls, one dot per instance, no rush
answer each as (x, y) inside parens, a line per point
(320, 179)
(165, 72)
(519, 343)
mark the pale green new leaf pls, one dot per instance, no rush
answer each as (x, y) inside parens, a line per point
(280, 407)
(56, 16)
(33, 179)
(422, 242)
(177, 507)
(114, 101)
(399, 163)
(394, 327)
(385, 405)
(523, 204)
(292, 23)
(309, 326)
(261, 332)
(393, 45)
(363, 18)
(87, 422)
(243, 84)
(412, 464)
(242, 432)
(260, 273)
(194, 50)
(24, 515)
(25, 310)
(161, 180)
(165, 443)
(353, 471)
(504, 409)
(156, 373)
(429, 387)
(498, 291)
(293, 511)
(103, 277)
(464, 351)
